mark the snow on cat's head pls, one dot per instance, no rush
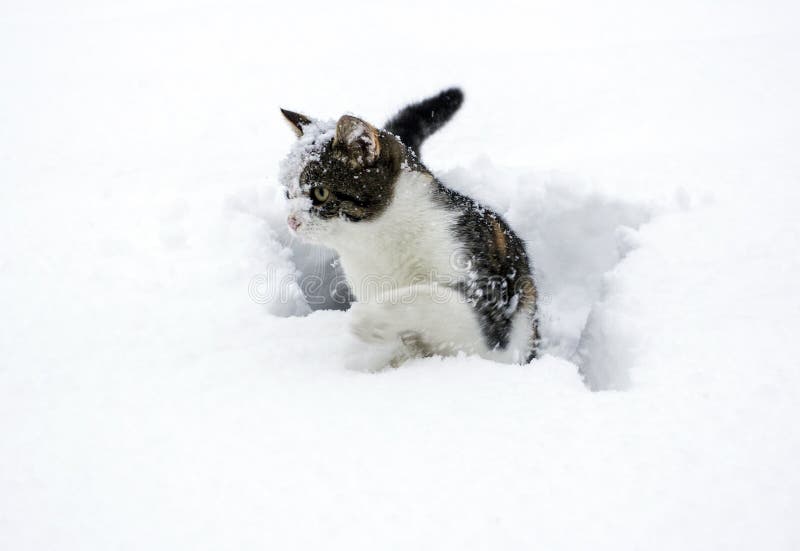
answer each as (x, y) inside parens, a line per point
(338, 173)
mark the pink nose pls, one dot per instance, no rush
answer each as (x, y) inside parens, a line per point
(293, 222)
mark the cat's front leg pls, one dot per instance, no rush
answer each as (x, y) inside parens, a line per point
(419, 320)
(371, 322)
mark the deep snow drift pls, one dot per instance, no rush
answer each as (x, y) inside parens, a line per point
(165, 384)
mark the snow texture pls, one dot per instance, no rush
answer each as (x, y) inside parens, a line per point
(308, 147)
(167, 383)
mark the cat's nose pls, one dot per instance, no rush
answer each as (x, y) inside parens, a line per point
(293, 222)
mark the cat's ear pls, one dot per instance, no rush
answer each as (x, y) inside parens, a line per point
(296, 120)
(359, 139)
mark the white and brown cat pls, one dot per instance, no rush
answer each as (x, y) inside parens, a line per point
(431, 271)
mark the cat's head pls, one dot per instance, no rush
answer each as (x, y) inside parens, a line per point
(339, 173)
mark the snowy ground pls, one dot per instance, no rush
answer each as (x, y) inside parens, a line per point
(150, 399)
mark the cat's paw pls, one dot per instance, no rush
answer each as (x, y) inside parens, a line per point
(369, 358)
(373, 324)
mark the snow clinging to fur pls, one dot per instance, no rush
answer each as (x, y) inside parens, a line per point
(308, 147)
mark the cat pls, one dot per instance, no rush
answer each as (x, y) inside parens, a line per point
(432, 271)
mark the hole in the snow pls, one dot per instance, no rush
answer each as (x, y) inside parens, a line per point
(575, 236)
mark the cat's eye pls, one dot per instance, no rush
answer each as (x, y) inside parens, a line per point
(320, 194)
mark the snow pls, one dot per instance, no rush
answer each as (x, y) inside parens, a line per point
(308, 146)
(153, 394)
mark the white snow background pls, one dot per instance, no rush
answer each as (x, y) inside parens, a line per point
(648, 153)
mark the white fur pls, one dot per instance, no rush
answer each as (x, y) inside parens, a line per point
(399, 265)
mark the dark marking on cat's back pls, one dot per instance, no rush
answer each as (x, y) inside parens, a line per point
(504, 283)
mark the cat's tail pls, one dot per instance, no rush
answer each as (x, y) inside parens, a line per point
(414, 123)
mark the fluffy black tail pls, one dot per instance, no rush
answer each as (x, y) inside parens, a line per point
(413, 124)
